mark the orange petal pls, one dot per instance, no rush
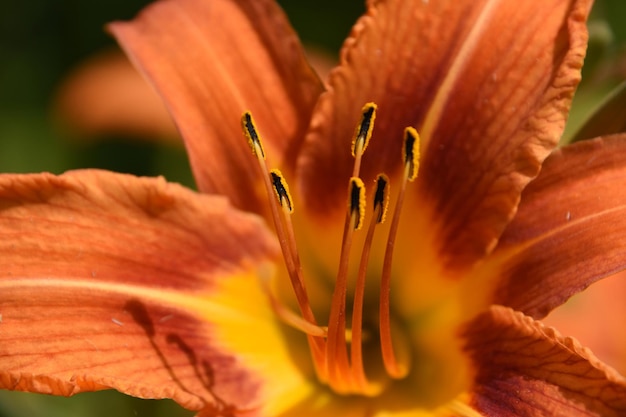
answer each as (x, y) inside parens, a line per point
(211, 61)
(570, 229)
(110, 281)
(487, 83)
(526, 369)
(106, 95)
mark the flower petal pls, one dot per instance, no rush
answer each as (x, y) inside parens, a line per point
(106, 95)
(570, 229)
(487, 83)
(114, 281)
(211, 61)
(526, 369)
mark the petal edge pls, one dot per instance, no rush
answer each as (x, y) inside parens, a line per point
(526, 369)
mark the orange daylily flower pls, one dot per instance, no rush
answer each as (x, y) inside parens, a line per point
(106, 95)
(114, 281)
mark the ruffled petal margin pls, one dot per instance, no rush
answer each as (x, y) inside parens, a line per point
(114, 281)
(525, 369)
(211, 61)
(570, 229)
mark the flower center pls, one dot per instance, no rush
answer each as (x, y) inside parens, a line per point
(336, 365)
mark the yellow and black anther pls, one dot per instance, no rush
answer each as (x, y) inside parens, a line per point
(250, 131)
(381, 197)
(357, 201)
(411, 151)
(281, 189)
(364, 129)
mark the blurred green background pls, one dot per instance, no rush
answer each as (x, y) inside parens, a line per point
(42, 40)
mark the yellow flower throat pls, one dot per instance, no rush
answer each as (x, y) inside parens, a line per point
(337, 366)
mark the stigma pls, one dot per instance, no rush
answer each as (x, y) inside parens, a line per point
(336, 350)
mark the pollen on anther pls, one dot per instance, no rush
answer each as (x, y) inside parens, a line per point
(364, 129)
(381, 197)
(250, 131)
(281, 189)
(411, 151)
(357, 201)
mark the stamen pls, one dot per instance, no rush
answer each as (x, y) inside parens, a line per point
(411, 165)
(290, 257)
(336, 348)
(381, 200)
(281, 189)
(284, 231)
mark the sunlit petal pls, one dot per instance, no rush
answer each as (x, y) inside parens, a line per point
(544, 256)
(488, 85)
(110, 280)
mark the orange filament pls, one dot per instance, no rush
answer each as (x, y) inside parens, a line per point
(337, 364)
(291, 258)
(285, 237)
(381, 200)
(342, 369)
(411, 156)
(336, 349)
